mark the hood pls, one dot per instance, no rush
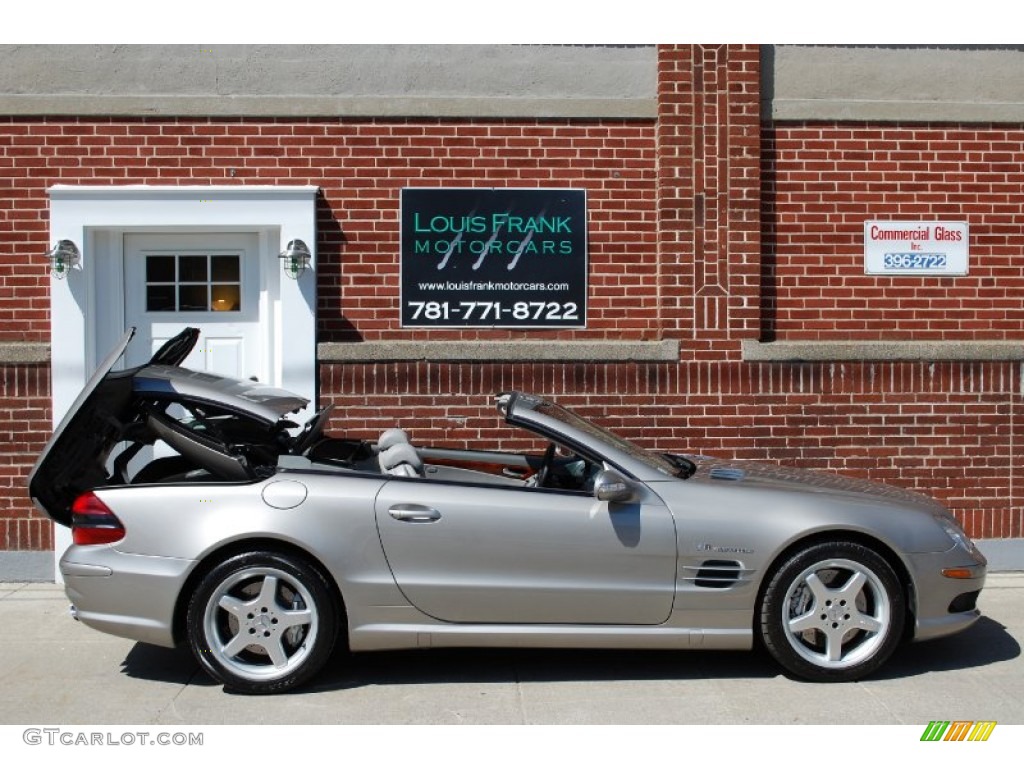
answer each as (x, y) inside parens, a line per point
(753, 475)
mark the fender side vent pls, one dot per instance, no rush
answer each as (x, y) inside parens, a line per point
(718, 574)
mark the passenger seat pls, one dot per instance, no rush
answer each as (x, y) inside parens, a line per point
(401, 460)
(397, 456)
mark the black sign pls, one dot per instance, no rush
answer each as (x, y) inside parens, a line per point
(494, 257)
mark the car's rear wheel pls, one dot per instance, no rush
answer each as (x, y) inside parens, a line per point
(833, 612)
(263, 622)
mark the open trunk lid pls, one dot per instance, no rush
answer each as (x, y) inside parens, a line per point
(116, 406)
(74, 457)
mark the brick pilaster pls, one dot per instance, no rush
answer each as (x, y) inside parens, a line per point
(709, 195)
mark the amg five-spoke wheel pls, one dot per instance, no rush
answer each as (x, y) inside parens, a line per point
(262, 622)
(833, 612)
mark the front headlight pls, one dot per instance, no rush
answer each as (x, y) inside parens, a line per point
(956, 533)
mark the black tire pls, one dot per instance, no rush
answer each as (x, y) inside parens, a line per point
(833, 612)
(281, 603)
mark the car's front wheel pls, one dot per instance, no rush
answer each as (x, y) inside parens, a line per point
(833, 612)
(263, 622)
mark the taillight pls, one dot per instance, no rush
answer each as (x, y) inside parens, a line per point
(92, 522)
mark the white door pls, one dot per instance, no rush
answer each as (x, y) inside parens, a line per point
(207, 281)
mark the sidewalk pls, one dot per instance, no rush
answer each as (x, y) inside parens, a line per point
(57, 670)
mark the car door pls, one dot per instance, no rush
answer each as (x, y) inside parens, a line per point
(487, 554)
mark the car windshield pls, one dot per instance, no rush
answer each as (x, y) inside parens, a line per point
(665, 463)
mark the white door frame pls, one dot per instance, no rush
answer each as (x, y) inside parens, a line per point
(96, 218)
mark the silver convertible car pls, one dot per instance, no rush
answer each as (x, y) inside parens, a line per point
(201, 514)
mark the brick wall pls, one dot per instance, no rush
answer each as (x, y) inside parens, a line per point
(369, 164)
(360, 168)
(950, 429)
(822, 182)
(704, 226)
(709, 196)
(25, 418)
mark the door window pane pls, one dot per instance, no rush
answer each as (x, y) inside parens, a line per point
(193, 283)
(192, 269)
(225, 269)
(159, 269)
(226, 298)
(193, 298)
(160, 298)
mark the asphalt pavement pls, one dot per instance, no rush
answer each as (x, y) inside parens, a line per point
(57, 670)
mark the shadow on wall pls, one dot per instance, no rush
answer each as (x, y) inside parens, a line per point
(332, 325)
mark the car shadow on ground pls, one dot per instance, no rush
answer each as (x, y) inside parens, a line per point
(533, 666)
(165, 665)
(987, 642)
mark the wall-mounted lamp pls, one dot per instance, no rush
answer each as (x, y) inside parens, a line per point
(295, 258)
(63, 256)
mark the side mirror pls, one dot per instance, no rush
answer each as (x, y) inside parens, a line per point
(609, 485)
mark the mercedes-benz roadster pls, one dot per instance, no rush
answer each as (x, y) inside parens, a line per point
(201, 514)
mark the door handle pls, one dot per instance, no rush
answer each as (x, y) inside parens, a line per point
(414, 513)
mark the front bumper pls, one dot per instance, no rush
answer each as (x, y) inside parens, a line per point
(132, 596)
(945, 606)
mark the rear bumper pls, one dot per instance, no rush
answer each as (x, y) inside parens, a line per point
(131, 596)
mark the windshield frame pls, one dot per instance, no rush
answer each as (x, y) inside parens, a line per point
(569, 422)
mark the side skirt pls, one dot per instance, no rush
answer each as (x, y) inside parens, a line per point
(379, 637)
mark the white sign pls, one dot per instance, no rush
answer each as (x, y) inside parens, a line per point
(915, 247)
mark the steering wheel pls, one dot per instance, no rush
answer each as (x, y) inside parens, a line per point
(546, 462)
